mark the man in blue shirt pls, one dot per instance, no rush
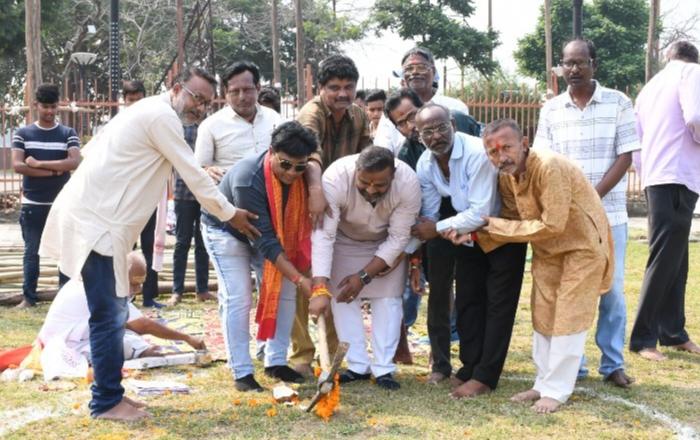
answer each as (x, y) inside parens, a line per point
(45, 153)
(459, 188)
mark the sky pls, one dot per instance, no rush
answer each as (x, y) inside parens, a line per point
(377, 56)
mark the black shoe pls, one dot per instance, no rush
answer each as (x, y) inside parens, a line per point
(388, 382)
(248, 383)
(154, 304)
(351, 376)
(284, 373)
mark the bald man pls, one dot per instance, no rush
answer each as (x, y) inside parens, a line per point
(67, 320)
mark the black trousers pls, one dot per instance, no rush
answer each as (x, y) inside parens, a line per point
(150, 285)
(186, 227)
(486, 308)
(661, 310)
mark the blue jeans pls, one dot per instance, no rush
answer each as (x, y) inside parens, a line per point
(187, 213)
(32, 219)
(411, 301)
(612, 313)
(108, 315)
(232, 260)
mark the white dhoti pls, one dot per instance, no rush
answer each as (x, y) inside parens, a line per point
(557, 359)
(134, 345)
(384, 294)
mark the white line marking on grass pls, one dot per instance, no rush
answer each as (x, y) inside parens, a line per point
(682, 431)
(17, 418)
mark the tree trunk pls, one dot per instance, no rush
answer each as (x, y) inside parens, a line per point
(548, 42)
(32, 37)
(578, 18)
(651, 40)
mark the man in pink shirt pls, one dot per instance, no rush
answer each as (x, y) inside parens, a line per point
(668, 124)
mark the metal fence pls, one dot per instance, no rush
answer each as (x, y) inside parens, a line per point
(87, 117)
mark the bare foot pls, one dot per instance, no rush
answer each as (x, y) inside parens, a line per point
(455, 381)
(546, 405)
(25, 305)
(123, 412)
(652, 354)
(205, 296)
(690, 347)
(471, 388)
(436, 378)
(174, 300)
(526, 396)
(135, 403)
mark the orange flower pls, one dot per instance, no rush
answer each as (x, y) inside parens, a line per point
(271, 412)
(327, 404)
(252, 403)
(236, 402)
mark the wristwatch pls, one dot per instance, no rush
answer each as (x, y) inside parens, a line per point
(364, 277)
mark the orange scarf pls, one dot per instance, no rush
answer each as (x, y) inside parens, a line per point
(293, 228)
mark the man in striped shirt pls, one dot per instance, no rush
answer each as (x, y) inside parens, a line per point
(45, 153)
(595, 127)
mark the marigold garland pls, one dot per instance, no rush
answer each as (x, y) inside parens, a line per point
(328, 402)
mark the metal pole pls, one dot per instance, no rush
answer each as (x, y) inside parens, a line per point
(490, 25)
(301, 98)
(115, 73)
(276, 71)
(578, 18)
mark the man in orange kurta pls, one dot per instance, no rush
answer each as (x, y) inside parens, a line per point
(547, 201)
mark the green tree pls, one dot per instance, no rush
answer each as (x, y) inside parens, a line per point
(618, 28)
(442, 27)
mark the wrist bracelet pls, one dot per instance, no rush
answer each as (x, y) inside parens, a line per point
(321, 290)
(415, 261)
(297, 280)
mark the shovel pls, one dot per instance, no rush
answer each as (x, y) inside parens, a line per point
(326, 378)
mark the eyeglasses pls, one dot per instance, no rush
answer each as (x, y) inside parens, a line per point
(244, 91)
(288, 165)
(409, 119)
(419, 69)
(443, 129)
(580, 64)
(198, 99)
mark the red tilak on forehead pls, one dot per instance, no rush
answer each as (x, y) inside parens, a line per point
(498, 147)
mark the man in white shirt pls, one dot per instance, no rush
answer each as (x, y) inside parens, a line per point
(106, 204)
(595, 127)
(418, 67)
(240, 128)
(459, 188)
(66, 321)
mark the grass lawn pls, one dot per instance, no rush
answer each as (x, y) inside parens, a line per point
(664, 399)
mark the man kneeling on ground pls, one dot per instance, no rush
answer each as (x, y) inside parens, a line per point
(67, 320)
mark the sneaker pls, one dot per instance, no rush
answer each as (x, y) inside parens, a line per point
(248, 383)
(350, 376)
(284, 373)
(387, 382)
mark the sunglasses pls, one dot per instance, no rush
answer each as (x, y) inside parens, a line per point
(288, 165)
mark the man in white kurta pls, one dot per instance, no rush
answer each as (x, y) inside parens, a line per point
(374, 200)
(101, 211)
